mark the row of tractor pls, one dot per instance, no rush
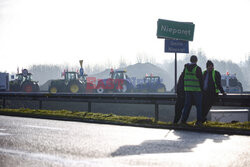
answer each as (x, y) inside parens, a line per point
(79, 82)
(118, 82)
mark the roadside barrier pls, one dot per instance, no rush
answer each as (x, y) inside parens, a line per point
(235, 100)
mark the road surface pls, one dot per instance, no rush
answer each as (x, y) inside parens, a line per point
(39, 142)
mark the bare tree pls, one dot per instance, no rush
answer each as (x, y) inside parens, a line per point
(43, 73)
(122, 63)
(139, 58)
(152, 60)
(108, 64)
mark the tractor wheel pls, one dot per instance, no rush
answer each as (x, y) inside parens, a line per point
(123, 88)
(161, 89)
(53, 89)
(100, 89)
(241, 88)
(74, 87)
(27, 87)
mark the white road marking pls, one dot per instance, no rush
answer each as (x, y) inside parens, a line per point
(4, 134)
(48, 157)
(43, 127)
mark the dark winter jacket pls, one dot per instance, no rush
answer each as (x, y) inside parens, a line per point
(180, 85)
(211, 85)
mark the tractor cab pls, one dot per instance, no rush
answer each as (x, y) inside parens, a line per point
(22, 78)
(68, 76)
(152, 79)
(118, 74)
(230, 83)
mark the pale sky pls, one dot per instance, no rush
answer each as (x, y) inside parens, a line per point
(97, 31)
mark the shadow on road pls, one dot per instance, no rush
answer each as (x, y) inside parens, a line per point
(174, 142)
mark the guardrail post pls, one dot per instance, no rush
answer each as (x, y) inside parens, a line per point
(248, 113)
(40, 104)
(156, 112)
(4, 103)
(89, 106)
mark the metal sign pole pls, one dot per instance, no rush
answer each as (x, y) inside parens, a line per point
(175, 73)
(175, 42)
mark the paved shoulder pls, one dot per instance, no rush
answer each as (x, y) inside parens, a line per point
(36, 142)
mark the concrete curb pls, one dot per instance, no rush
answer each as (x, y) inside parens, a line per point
(228, 131)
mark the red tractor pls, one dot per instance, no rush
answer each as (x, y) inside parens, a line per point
(24, 83)
(118, 82)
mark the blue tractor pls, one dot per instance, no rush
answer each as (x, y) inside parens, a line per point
(151, 84)
(119, 82)
(231, 84)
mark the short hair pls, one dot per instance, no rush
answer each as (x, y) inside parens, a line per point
(209, 62)
(193, 59)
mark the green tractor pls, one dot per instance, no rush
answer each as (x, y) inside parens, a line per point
(24, 83)
(73, 82)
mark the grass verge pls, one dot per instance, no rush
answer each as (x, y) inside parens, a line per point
(245, 126)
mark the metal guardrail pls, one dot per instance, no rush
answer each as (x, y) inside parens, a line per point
(236, 100)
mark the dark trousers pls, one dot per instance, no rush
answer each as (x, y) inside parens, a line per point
(179, 107)
(207, 103)
(197, 98)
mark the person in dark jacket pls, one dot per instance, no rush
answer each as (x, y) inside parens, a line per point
(211, 88)
(180, 99)
(193, 84)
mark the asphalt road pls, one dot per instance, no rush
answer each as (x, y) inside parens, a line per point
(38, 142)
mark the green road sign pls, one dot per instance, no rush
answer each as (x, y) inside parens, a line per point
(176, 30)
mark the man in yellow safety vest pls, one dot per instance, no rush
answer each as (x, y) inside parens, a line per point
(193, 85)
